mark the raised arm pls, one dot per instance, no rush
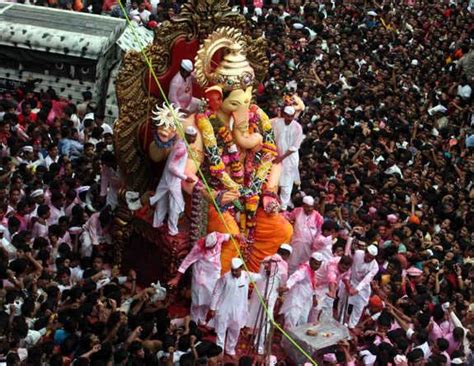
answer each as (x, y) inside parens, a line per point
(177, 154)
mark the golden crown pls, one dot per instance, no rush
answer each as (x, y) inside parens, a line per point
(234, 71)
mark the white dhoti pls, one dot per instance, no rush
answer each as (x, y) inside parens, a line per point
(230, 303)
(299, 299)
(358, 303)
(362, 275)
(168, 196)
(167, 204)
(260, 317)
(325, 305)
(288, 138)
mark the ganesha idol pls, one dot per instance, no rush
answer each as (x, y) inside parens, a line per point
(234, 150)
(235, 182)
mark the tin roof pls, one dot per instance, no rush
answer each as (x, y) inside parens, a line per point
(58, 31)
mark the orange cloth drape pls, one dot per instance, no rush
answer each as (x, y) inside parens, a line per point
(271, 232)
(214, 223)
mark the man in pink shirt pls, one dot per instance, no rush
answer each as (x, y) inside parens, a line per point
(205, 257)
(328, 277)
(324, 240)
(181, 89)
(301, 292)
(306, 226)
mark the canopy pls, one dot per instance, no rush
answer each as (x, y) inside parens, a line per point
(57, 31)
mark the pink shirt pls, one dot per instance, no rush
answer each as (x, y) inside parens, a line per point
(305, 226)
(439, 330)
(108, 178)
(329, 273)
(180, 91)
(453, 344)
(323, 244)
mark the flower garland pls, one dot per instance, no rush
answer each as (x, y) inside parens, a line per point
(216, 166)
(247, 178)
(231, 155)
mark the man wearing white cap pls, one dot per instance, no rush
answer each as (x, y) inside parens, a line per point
(306, 226)
(168, 196)
(180, 92)
(300, 298)
(364, 268)
(288, 138)
(38, 196)
(274, 272)
(205, 257)
(229, 305)
(27, 155)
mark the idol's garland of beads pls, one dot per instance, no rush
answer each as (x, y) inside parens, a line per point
(199, 212)
(248, 178)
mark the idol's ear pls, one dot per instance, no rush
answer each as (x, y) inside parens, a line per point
(249, 90)
(213, 97)
(212, 91)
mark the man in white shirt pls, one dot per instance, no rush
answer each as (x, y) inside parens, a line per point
(274, 272)
(53, 155)
(140, 11)
(168, 197)
(205, 258)
(229, 305)
(300, 298)
(288, 138)
(364, 268)
(181, 89)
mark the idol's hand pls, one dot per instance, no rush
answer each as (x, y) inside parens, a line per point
(230, 196)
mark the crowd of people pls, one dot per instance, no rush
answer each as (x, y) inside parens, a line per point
(380, 201)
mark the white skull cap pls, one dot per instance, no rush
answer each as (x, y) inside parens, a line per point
(308, 200)
(289, 110)
(211, 239)
(317, 256)
(187, 65)
(237, 263)
(37, 193)
(190, 130)
(286, 247)
(372, 250)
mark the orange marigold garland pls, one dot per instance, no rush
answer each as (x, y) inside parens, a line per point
(249, 177)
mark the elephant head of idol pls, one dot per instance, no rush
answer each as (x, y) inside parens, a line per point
(232, 80)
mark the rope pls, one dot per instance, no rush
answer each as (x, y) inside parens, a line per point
(208, 188)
